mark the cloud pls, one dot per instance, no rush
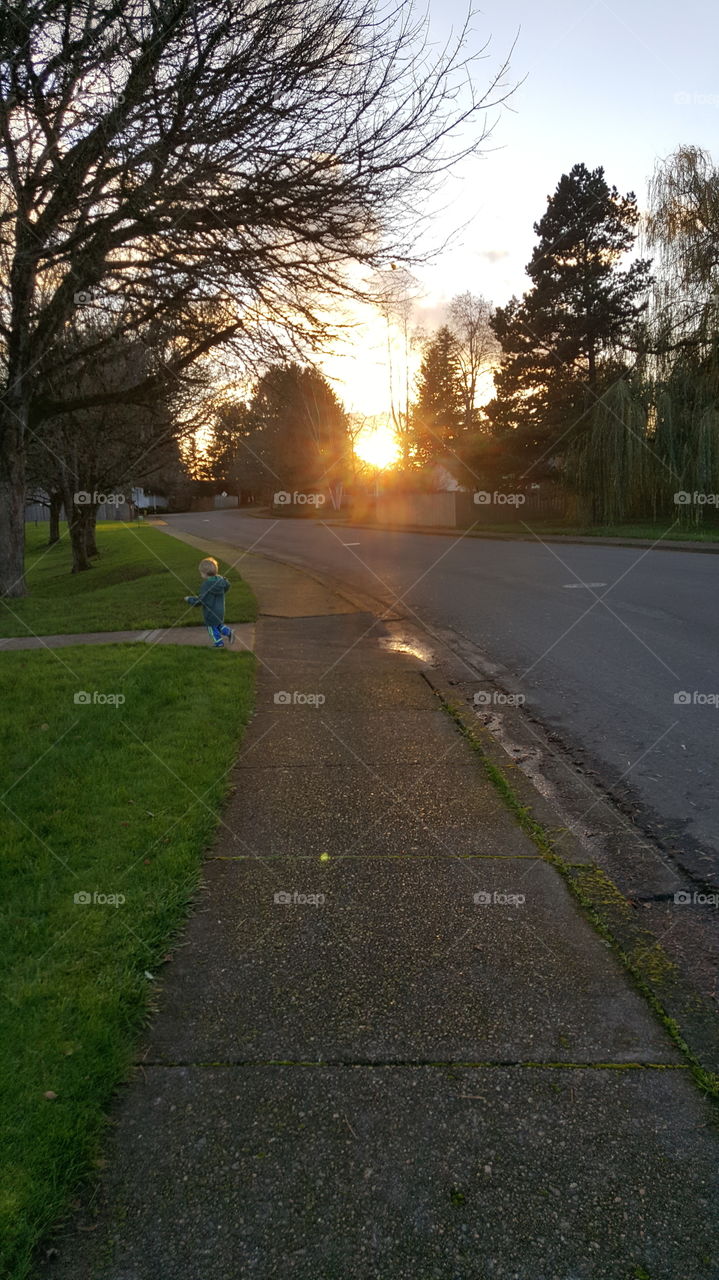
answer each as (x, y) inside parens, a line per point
(494, 255)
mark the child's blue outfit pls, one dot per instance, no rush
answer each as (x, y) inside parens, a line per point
(212, 599)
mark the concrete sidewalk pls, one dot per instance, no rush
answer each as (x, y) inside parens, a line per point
(390, 1045)
(244, 637)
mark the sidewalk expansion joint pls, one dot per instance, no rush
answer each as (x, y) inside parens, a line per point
(328, 764)
(418, 1063)
(375, 857)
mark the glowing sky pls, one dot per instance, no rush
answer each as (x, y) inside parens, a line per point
(604, 84)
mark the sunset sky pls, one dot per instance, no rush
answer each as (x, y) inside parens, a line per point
(604, 84)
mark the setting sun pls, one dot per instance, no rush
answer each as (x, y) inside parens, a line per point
(379, 447)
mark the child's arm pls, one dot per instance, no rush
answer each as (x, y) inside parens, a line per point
(206, 589)
(200, 599)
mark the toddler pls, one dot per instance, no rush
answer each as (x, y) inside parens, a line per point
(212, 599)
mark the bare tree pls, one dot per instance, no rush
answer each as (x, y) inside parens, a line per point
(478, 347)
(396, 293)
(221, 163)
(110, 446)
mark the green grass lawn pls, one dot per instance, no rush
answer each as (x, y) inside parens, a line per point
(138, 582)
(110, 800)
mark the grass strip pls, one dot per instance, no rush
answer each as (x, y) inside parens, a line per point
(112, 801)
(138, 582)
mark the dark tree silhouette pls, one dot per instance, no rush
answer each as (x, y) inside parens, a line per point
(300, 431)
(438, 412)
(220, 165)
(581, 312)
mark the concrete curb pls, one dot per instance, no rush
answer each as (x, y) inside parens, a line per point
(687, 1016)
(711, 548)
(582, 540)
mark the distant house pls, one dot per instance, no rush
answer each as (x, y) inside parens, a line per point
(442, 480)
(148, 501)
(117, 506)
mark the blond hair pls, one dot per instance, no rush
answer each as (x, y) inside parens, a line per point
(209, 567)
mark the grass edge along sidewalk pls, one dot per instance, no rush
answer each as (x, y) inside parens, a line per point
(656, 537)
(103, 801)
(137, 583)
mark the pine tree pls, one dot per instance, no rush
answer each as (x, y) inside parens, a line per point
(580, 312)
(437, 416)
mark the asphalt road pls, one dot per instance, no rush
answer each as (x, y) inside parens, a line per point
(600, 640)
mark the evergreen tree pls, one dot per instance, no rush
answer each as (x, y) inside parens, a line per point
(293, 435)
(232, 457)
(438, 413)
(581, 311)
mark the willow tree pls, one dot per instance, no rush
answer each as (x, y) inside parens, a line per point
(612, 464)
(686, 437)
(682, 228)
(681, 338)
(226, 164)
(650, 447)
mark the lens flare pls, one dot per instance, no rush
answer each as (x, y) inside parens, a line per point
(379, 447)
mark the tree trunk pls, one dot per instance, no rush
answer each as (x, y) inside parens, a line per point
(77, 528)
(78, 541)
(12, 501)
(90, 530)
(592, 354)
(55, 509)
